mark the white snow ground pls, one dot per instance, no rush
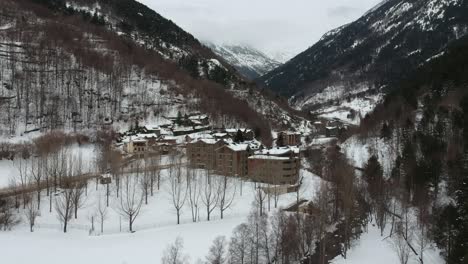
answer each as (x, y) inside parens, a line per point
(9, 172)
(155, 229)
(373, 248)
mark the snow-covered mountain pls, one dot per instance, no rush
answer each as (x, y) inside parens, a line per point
(250, 62)
(379, 48)
(119, 62)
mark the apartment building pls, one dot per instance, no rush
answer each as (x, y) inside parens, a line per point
(278, 166)
(231, 160)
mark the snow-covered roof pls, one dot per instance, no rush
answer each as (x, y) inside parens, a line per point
(278, 151)
(290, 133)
(220, 134)
(198, 117)
(133, 139)
(167, 137)
(234, 130)
(152, 127)
(200, 135)
(266, 157)
(238, 147)
(205, 140)
(151, 135)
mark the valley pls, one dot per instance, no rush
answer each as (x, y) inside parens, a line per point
(125, 139)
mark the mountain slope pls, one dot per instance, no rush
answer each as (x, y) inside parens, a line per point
(423, 130)
(79, 65)
(377, 49)
(251, 63)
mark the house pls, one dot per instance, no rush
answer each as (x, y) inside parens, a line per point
(221, 135)
(278, 166)
(134, 144)
(289, 138)
(198, 119)
(151, 129)
(334, 128)
(231, 159)
(167, 139)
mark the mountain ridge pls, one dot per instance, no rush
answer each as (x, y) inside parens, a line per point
(250, 62)
(371, 52)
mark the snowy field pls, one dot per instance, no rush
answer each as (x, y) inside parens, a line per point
(87, 153)
(155, 228)
(373, 248)
(360, 105)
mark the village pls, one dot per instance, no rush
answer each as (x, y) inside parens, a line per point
(232, 152)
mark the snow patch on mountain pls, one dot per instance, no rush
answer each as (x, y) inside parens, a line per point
(249, 61)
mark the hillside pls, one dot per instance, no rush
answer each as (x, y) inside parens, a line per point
(419, 135)
(250, 63)
(379, 48)
(87, 64)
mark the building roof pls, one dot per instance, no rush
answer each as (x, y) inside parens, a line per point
(167, 137)
(267, 157)
(278, 151)
(220, 134)
(200, 136)
(150, 135)
(238, 147)
(152, 127)
(210, 141)
(198, 117)
(290, 133)
(234, 130)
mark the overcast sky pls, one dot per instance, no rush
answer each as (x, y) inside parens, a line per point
(289, 26)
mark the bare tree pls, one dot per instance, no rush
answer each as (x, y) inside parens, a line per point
(146, 181)
(322, 201)
(64, 206)
(401, 248)
(8, 218)
(226, 193)
(174, 253)
(155, 173)
(131, 199)
(37, 172)
(23, 175)
(31, 213)
(178, 189)
(193, 188)
(101, 212)
(260, 197)
(217, 253)
(56, 168)
(239, 245)
(79, 197)
(209, 195)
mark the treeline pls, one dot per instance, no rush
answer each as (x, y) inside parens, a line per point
(95, 84)
(426, 118)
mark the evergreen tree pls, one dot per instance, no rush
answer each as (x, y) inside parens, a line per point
(385, 132)
(179, 118)
(239, 136)
(279, 140)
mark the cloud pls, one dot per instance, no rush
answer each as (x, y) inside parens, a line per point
(343, 11)
(269, 25)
